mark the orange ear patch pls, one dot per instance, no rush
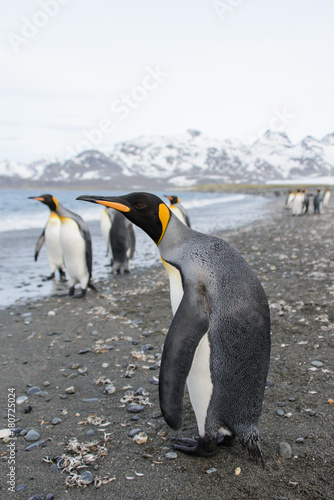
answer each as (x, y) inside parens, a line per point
(164, 216)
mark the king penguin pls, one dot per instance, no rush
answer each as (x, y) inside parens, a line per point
(122, 243)
(106, 220)
(219, 339)
(326, 198)
(177, 209)
(297, 204)
(75, 243)
(289, 199)
(51, 237)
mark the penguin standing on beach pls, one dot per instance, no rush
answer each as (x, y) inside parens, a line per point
(177, 209)
(326, 198)
(51, 237)
(298, 203)
(75, 243)
(106, 220)
(289, 199)
(219, 340)
(122, 242)
(318, 202)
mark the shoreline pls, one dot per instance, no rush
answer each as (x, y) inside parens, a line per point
(70, 347)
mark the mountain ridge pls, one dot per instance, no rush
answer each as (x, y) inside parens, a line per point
(189, 159)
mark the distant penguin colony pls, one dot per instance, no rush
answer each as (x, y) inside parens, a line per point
(51, 237)
(219, 340)
(76, 246)
(177, 209)
(299, 202)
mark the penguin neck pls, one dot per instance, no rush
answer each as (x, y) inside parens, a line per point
(175, 235)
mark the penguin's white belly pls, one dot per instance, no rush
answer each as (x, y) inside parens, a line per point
(199, 383)
(105, 226)
(326, 199)
(178, 213)
(52, 242)
(74, 252)
(199, 380)
(297, 205)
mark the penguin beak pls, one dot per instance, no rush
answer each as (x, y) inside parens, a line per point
(107, 202)
(169, 197)
(39, 198)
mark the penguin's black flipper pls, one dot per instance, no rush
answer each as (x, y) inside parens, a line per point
(189, 325)
(39, 244)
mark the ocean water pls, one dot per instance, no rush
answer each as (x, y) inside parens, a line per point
(22, 221)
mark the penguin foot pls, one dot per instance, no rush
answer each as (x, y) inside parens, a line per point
(201, 447)
(48, 278)
(62, 276)
(225, 440)
(81, 295)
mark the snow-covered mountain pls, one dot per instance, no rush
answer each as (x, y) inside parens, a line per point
(190, 159)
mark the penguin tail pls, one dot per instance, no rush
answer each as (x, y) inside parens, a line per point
(251, 443)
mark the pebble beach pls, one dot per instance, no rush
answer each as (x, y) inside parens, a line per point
(84, 374)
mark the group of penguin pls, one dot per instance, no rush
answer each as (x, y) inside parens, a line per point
(69, 246)
(299, 201)
(218, 343)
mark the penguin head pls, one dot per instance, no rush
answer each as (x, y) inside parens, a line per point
(48, 200)
(173, 199)
(145, 210)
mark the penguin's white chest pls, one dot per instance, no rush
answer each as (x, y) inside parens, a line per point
(105, 226)
(199, 380)
(297, 205)
(52, 241)
(178, 213)
(74, 252)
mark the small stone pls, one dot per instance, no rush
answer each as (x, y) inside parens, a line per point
(50, 496)
(4, 433)
(280, 413)
(84, 351)
(237, 471)
(87, 477)
(70, 390)
(316, 363)
(91, 400)
(154, 380)
(55, 421)
(32, 435)
(33, 390)
(135, 408)
(21, 399)
(20, 487)
(35, 445)
(285, 450)
(90, 432)
(171, 455)
(133, 432)
(211, 470)
(28, 409)
(105, 365)
(300, 440)
(46, 383)
(36, 497)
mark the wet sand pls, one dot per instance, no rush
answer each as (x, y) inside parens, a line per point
(89, 358)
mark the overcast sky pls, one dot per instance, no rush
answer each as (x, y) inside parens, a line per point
(81, 73)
